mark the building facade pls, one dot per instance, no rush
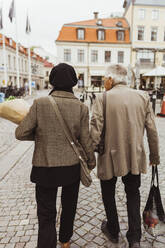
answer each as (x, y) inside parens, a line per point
(147, 24)
(37, 65)
(90, 46)
(47, 69)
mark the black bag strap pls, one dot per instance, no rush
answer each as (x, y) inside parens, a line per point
(64, 126)
(155, 174)
(104, 115)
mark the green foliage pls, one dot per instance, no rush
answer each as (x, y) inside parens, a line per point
(10, 98)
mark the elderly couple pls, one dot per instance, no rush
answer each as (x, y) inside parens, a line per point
(55, 164)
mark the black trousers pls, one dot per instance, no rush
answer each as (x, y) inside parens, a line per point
(46, 211)
(132, 184)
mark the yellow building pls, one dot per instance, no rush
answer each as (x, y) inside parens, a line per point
(147, 24)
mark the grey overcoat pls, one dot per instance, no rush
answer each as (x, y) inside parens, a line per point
(52, 149)
(128, 114)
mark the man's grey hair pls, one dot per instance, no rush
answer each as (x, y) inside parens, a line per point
(118, 73)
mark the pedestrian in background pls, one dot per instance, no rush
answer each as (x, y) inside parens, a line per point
(54, 162)
(128, 114)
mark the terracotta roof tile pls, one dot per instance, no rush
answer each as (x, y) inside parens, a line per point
(106, 22)
(69, 31)
(22, 49)
(48, 64)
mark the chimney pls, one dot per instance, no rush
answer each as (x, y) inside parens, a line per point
(95, 15)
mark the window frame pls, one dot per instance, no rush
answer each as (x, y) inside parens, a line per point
(145, 55)
(152, 33)
(80, 55)
(140, 16)
(66, 54)
(102, 32)
(105, 56)
(119, 53)
(123, 34)
(79, 37)
(153, 14)
(94, 54)
(163, 57)
(138, 29)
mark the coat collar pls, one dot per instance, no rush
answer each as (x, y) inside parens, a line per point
(63, 94)
(120, 86)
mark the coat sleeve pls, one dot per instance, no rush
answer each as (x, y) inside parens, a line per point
(97, 121)
(152, 135)
(26, 129)
(85, 139)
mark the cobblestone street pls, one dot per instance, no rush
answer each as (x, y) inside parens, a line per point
(18, 221)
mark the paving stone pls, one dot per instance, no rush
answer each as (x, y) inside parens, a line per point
(18, 217)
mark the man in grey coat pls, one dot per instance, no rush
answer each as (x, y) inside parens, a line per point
(128, 114)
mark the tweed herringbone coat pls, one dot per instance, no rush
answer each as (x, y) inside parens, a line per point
(128, 115)
(52, 149)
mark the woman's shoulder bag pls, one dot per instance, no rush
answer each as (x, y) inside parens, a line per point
(85, 176)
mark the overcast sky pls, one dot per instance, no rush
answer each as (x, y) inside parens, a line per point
(48, 16)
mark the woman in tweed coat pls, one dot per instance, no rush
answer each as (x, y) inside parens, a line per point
(54, 162)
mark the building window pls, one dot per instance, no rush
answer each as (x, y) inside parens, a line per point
(120, 57)
(120, 35)
(145, 56)
(140, 33)
(9, 61)
(80, 34)
(22, 65)
(10, 42)
(107, 56)
(25, 65)
(14, 60)
(164, 58)
(101, 35)
(80, 55)
(154, 31)
(67, 55)
(94, 56)
(155, 14)
(141, 14)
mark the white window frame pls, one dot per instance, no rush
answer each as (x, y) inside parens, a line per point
(138, 29)
(105, 56)
(119, 58)
(122, 33)
(67, 54)
(154, 31)
(94, 56)
(9, 61)
(155, 14)
(80, 56)
(145, 55)
(80, 34)
(141, 14)
(100, 34)
(163, 57)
